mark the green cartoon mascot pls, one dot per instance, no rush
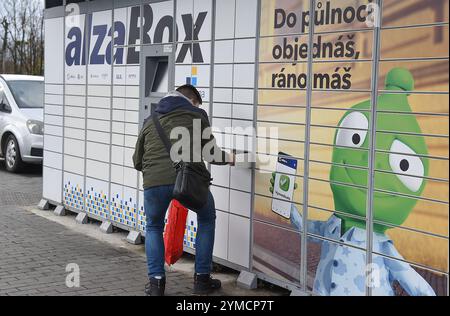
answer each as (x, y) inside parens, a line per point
(400, 158)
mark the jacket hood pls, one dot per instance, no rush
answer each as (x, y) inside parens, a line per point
(175, 101)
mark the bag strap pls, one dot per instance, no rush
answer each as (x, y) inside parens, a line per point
(161, 132)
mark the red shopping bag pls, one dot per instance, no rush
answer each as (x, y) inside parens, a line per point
(174, 232)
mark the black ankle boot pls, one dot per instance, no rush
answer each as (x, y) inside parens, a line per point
(204, 284)
(156, 287)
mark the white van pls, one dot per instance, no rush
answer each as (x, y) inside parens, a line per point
(21, 120)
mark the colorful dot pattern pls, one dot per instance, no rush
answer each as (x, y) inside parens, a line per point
(73, 196)
(97, 203)
(190, 235)
(123, 211)
(142, 222)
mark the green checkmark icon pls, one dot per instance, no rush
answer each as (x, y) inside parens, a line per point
(285, 183)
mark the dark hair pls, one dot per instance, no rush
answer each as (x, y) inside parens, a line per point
(190, 92)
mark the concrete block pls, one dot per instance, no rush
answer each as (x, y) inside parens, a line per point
(247, 280)
(82, 218)
(106, 228)
(60, 211)
(44, 205)
(134, 238)
(299, 292)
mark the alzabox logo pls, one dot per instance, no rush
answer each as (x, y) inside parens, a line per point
(76, 49)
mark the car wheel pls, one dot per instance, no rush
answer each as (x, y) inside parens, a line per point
(13, 160)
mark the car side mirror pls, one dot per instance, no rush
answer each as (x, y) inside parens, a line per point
(4, 107)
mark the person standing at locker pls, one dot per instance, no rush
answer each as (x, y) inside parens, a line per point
(179, 109)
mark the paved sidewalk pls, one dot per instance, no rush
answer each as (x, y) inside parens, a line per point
(36, 247)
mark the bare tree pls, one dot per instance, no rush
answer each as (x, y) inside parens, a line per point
(22, 36)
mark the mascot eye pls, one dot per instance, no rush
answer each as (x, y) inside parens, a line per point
(353, 130)
(409, 169)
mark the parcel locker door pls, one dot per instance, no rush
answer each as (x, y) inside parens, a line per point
(157, 77)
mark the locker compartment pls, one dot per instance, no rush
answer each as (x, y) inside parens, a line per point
(53, 99)
(239, 241)
(244, 51)
(99, 126)
(221, 198)
(201, 6)
(141, 220)
(130, 177)
(221, 125)
(99, 91)
(74, 147)
(244, 112)
(73, 194)
(240, 203)
(244, 76)
(97, 198)
(118, 139)
(99, 114)
(116, 174)
(246, 17)
(221, 237)
(123, 203)
(53, 130)
(54, 89)
(191, 230)
(223, 76)
(223, 52)
(97, 170)
(117, 155)
(225, 21)
(52, 183)
(130, 141)
(98, 152)
(119, 91)
(78, 90)
(132, 104)
(221, 175)
(98, 137)
(73, 122)
(99, 102)
(74, 133)
(244, 96)
(222, 110)
(53, 109)
(118, 127)
(241, 179)
(53, 120)
(75, 100)
(74, 111)
(119, 103)
(132, 91)
(52, 159)
(223, 95)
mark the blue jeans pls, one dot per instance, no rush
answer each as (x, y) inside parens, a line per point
(156, 203)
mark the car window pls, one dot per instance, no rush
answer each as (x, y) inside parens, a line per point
(28, 94)
(3, 98)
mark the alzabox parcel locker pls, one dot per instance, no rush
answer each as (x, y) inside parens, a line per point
(350, 113)
(106, 66)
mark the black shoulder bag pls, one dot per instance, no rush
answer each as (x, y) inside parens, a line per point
(193, 179)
